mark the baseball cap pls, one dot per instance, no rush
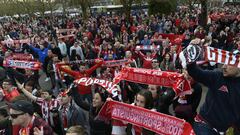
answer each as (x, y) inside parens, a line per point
(22, 105)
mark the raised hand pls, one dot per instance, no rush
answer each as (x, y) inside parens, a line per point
(19, 85)
(38, 131)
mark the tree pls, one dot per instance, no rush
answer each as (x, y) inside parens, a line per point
(162, 6)
(204, 13)
(84, 4)
(127, 6)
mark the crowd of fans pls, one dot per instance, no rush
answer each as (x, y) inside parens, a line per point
(72, 48)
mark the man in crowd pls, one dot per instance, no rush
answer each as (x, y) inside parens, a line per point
(21, 113)
(9, 92)
(221, 108)
(70, 113)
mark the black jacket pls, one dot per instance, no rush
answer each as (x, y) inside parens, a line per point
(221, 108)
(97, 127)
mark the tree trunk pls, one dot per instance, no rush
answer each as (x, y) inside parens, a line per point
(203, 15)
(127, 6)
(84, 11)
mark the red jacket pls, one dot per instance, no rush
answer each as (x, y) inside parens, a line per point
(147, 61)
(10, 95)
(78, 75)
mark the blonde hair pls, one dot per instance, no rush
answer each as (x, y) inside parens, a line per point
(77, 129)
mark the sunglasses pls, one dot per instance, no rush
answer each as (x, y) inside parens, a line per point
(14, 116)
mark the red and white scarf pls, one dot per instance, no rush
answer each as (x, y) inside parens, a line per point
(24, 64)
(222, 57)
(22, 41)
(180, 85)
(115, 63)
(147, 47)
(110, 87)
(66, 36)
(141, 117)
(24, 61)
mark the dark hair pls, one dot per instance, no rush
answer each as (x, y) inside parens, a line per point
(102, 94)
(3, 112)
(8, 81)
(148, 98)
(29, 83)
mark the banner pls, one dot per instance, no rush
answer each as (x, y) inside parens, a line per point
(222, 57)
(33, 65)
(109, 86)
(141, 117)
(180, 85)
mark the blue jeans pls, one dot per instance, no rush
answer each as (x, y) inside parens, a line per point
(203, 129)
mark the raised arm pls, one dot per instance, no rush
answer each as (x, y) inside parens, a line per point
(78, 100)
(208, 78)
(36, 50)
(25, 92)
(68, 71)
(98, 62)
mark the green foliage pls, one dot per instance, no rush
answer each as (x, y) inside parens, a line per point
(162, 6)
(12, 7)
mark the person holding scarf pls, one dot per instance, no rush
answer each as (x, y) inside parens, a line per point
(143, 99)
(97, 127)
(147, 59)
(83, 72)
(221, 107)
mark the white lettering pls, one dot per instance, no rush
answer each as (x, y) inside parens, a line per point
(211, 55)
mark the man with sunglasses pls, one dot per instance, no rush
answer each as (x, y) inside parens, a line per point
(21, 114)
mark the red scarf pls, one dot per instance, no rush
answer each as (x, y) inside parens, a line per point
(24, 61)
(148, 47)
(141, 117)
(180, 85)
(109, 86)
(24, 64)
(115, 63)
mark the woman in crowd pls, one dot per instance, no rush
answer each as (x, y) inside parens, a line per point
(97, 127)
(166, 64)
(143, 99)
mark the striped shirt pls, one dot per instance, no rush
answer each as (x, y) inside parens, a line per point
(47, 107)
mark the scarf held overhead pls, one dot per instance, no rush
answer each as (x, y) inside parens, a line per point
(109, 86)
(109, 63)
(180, 85)
(222, 57)
(154, 121)
(23, 61)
